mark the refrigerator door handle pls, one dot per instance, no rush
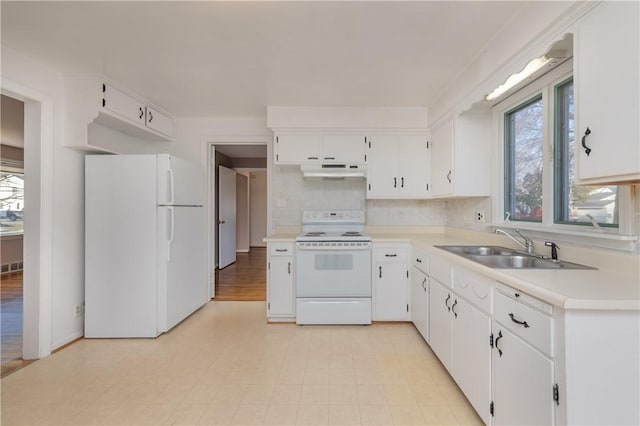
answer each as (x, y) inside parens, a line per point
(171, 224)
(171, 187)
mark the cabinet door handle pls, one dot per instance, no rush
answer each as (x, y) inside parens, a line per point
(446, 302)
(150, 116)
(497, 340)
(524, 323)
(395, 182)
(449, 176)
(424, 281)
(380, 272)
(391, 255)
(453, 306)
(312, 158)
(402, 182)
(329, 158)
(282, 250)
(141, 113)
(289, 268)
(587, 150)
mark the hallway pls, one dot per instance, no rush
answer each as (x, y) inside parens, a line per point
(244, 280)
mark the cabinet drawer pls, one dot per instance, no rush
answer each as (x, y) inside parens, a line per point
(476, 288)
(420, 260)
(281, 249)
(392, 254)
(440, 269)
(529, 324)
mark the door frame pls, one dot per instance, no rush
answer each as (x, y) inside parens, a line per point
(38, 230)
(208, 148)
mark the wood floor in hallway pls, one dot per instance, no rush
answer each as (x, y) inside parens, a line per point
(11, 318)
(246, 279)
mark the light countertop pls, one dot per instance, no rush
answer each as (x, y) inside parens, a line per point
(610, 287)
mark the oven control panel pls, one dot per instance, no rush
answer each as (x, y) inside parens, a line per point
(334, 245)
(333, 216)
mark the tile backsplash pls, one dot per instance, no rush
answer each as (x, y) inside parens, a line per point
(292, 195)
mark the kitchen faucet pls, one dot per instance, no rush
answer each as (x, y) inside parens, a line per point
(528, 242)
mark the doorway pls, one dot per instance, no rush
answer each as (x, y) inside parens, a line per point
(238, 183)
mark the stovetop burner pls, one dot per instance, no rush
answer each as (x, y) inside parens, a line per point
(314, 234)
(351, 234)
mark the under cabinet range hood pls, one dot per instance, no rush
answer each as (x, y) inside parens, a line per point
(334, 171)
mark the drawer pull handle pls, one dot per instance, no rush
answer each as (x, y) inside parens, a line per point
(453, 306)
(524, 323)
(446, 302)
(391, 255)
(282, 250)
(497, 340)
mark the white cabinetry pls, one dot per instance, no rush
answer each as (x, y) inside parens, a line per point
(522, 373)
(461, 156)
(280, 284)
(318, 148)
(419, 306)
(391, 282)
(440, 321)
(398, 166)
(607, 49)
(95, 99)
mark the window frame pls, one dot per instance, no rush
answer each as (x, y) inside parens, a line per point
(612, 237)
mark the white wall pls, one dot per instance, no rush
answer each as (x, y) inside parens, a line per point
(67, 282)
(258, 207)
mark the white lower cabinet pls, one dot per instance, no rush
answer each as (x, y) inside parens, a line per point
(391, 282)
(471, 354)
(419, 306)
(440, 300)
(522, 380)
(280, 283)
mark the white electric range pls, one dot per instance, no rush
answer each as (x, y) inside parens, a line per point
(333, 269)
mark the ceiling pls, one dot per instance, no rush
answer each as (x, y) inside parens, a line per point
(201, 59)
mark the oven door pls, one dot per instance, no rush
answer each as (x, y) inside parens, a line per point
(333, 271)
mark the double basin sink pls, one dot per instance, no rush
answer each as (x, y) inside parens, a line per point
(505, 258)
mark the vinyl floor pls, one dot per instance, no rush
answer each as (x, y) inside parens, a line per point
(226, 365)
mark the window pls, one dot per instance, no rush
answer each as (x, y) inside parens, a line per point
(538, 123)
(11, 202)
(524, 137)
(576, 204)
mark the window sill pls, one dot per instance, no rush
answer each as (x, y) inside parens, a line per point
(606, 238)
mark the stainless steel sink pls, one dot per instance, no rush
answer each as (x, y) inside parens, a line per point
(479, 250)
(505, 258)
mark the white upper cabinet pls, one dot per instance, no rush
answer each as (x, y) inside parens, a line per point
(94, 99)
(460, 156)
(318, 148)
(343, 149)
(398, 166)
(298, 149)
(607, 49)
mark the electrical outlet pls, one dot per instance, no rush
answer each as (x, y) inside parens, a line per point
(479, 216)
(77, 311)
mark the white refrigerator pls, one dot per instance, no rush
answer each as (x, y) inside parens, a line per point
(145, 244)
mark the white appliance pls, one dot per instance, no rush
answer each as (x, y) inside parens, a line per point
(145, 244)
(333, 269)
(334, 171)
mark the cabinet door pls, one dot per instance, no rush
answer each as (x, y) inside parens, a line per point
(522, 382)
(159, 122)
(343, 149)
(471, 354)
(414, 166)
(419, 307)
(382, 167)
(391, 292)
(442, 159)
(127, 107)
(607, 87)
(440, 300)
(298, 149)
(280, 291)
